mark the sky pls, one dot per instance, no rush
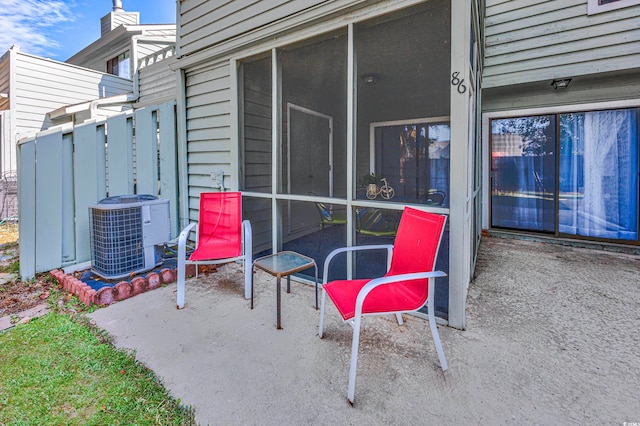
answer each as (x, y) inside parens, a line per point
(58, 29)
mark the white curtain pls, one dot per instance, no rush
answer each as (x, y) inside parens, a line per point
(609, 168)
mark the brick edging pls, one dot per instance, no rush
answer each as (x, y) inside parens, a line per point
(109, 294)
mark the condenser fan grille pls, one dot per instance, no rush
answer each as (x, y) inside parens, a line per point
(117, 241)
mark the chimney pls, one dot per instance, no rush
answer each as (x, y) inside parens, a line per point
(118, 17)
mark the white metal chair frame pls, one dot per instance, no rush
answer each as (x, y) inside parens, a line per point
(356, 321)
(245, 257)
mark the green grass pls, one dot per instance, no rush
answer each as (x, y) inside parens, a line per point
(12, 268)
(54, 370)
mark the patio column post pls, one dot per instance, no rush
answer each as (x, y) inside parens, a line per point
(461, 191)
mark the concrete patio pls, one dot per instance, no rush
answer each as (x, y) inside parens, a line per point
(552, 338)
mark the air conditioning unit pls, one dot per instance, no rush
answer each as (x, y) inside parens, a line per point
(127, 232)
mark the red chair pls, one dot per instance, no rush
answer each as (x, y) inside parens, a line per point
(221, 237)
(406, 287)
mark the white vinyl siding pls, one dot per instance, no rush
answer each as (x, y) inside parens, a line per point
(208, 94)
(204, 23)
(540, 40)
(157, 82)
(115, 19)
(45, 85)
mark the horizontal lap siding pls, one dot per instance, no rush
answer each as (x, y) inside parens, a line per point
(45, 85)
(121, 19)
(157, 82)
(83, 79)
(204, 23)
(541, 40)
(208, 129)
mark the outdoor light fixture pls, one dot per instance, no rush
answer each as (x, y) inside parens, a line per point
(560, 83)
(370, 79)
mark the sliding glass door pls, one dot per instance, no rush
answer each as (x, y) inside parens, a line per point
(572, 174)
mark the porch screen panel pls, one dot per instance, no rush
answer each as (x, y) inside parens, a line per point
(523, 173)
(599, 174)
(258, 212)
(256, 126)
(314, 235)
(403, 67)
(314, 101)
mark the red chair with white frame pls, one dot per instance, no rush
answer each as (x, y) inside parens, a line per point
(406, 287)
(222, 236)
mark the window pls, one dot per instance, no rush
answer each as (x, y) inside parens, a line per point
(412, 157)
(570, 174)
(599, 6)
(120, 65)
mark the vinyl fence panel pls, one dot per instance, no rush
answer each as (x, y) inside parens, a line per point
(64, 170)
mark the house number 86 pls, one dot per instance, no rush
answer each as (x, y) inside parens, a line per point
(455, 81)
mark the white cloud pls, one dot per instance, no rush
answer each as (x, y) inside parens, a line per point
(27, 23)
